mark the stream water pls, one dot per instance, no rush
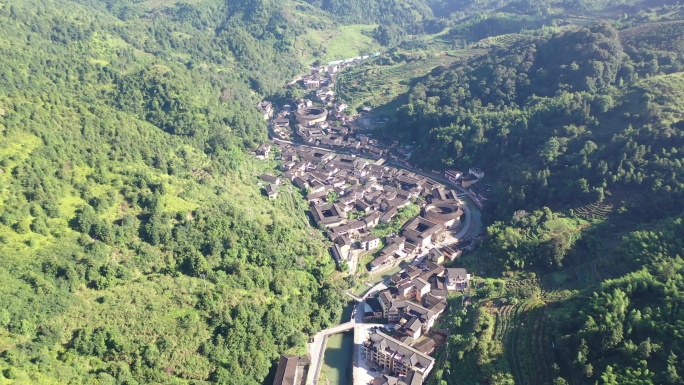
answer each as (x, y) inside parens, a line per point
(337, 361)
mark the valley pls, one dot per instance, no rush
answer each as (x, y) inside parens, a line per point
(205, 192)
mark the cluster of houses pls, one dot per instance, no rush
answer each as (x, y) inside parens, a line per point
(416, 298)
(280, 120)
(423, 231)
(349, 196)
(321, 79)
(324, 123)
(348, 138)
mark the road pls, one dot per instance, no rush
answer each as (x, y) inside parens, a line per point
(360, 373)
(354, 261)
(466, 225)
(355, 298)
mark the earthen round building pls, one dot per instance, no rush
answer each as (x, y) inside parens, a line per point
(443, 212)
(311, 115)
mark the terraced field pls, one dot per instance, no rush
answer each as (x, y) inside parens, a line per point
(381, 84)
(503, 317)
(595, 211)
(499, 41)
(526, 343)
(527, 348)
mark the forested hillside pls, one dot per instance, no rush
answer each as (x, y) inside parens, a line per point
(403, 13)
(461, 9)
(136, 246)
(562, 119)
(580, 132)
(629, 331)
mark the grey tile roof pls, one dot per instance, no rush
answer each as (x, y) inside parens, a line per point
(383, 342)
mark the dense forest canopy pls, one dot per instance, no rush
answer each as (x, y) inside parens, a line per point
(579, 129)
(405, 13)
(562, 118)
(136, 246)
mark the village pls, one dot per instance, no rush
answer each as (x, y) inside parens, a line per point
(320, 120)
(349, 196)
(354, 184)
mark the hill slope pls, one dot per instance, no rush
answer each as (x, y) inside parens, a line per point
(579, 130)
(137, 246)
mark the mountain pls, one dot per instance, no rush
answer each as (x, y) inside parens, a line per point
(561, 119)
(578, 127)
(138, 247)
(136, 244)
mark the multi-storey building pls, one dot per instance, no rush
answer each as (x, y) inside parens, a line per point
(396, 357)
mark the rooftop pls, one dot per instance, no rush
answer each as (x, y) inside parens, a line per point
(414, 358)
(291, 370)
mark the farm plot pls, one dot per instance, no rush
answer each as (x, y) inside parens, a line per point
(382, 84)
(595, 211)
(526, 343)
(518, 337)
(499, 41)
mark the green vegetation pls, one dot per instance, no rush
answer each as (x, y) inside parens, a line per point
(583, 129)
(403, 215)
(379, 83)
(539, 239)
(521, 329)
(579, 128)
(412, 15)
(628, 329)
(137, 246)
(350, 41)
(505, 345)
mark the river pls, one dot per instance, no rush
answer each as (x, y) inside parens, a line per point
(337, 361)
